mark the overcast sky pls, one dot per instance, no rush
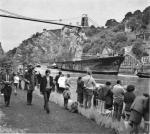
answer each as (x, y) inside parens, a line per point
(13, 32)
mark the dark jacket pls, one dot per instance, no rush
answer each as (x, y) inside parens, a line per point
(128, 99)
(31, 80)
(80, 86)
(4, 77)
(44, 83)
(7, 88)
(109, 97)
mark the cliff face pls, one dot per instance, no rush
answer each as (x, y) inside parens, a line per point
(41, 47)
(49, 46)
(71, 44)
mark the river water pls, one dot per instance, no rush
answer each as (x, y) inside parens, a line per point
(142, 84)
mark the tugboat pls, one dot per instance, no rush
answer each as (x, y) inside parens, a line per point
(144, 71)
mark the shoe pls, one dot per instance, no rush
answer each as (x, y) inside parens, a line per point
(29, 104)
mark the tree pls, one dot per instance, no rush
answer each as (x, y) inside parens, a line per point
(138, 14)
(146, 16)
(128, 15)
(111, 23)
(134, 23)
(138, 49)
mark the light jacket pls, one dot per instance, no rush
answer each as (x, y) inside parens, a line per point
(139, 104)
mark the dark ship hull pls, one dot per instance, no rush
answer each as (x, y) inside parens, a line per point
(105, 65)
(144, 72)
(143, 75)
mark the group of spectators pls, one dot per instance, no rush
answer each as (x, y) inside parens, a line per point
(122, 100)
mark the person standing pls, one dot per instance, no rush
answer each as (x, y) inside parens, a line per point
(79, 91)
(16, 83)
(90, 86)
(108, 95)
(67, 96)
(137, 110)
(46, 87)
(30, 80)
(7, 80)
(56, 81)
(118, 98)
(39, 77)
(62, 83)
(129, 97)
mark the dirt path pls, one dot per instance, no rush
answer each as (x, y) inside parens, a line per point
(22, 118)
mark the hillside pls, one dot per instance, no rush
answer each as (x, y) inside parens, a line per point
(66, 43)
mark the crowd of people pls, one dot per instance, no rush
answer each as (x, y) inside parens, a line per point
(122, 101)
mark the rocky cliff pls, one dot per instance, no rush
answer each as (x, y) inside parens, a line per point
(71, 43)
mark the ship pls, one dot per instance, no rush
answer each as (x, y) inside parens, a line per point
(105, 65)
(100, 65)
(144, 71)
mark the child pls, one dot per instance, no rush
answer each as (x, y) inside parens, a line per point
(66, 95)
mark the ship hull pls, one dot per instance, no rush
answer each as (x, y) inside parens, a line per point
(143, 75)
(106, 65)
(144, 72)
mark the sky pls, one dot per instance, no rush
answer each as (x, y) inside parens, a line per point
(13, 32)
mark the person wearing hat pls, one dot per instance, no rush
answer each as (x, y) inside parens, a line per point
(129, 97)
(46, 87)
(7, 80)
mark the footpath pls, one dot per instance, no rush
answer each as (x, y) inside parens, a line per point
(22, 118)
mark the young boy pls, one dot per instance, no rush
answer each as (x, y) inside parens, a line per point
(66, 95)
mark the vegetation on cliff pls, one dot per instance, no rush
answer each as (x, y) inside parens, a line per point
(51, 45)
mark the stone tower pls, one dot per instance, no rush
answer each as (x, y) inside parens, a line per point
(84, 20)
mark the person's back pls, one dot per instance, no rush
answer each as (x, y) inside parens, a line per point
(89, 82)
(90, 86)
(118, 97)
(108, 95)
(80, 85)
(16, 79)
(61, 81)
(129, 97)
(118, 93)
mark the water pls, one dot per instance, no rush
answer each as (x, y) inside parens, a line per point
(142, 84)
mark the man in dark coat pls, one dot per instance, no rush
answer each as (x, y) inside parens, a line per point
(7, 80)
(46, 87)
(56, 81)
(30, 81)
